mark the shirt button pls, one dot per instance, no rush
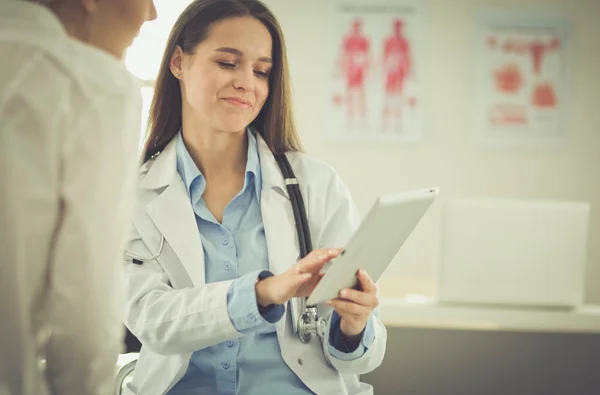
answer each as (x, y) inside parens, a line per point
(300, 361)
(226, 241)
(227, 266)
(231, 343)
(225, 365)
(251, 318)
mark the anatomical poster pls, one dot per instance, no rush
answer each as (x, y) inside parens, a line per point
(521, 80)
(374, 63)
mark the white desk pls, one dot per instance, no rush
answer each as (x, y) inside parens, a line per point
(397, 312)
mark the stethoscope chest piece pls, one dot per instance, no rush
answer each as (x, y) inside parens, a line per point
(310, 324)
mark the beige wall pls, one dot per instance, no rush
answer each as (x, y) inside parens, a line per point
(449, 156)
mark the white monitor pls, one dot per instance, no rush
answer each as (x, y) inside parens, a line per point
(513, 252)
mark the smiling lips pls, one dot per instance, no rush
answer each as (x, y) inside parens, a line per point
(236, 101)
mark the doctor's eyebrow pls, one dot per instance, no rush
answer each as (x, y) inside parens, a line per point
(239, 53)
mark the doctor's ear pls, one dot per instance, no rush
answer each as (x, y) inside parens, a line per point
(176, 63)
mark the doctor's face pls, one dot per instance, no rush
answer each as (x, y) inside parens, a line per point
(225, 82)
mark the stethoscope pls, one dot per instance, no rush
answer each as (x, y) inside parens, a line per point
(306, 322)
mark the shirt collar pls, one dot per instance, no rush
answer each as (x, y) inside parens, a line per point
(35, 25)
(187, 169)
(30, 16)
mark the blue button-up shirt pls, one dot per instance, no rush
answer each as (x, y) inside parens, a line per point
(237, 249)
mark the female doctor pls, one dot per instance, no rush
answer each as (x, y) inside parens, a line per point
(212, 261)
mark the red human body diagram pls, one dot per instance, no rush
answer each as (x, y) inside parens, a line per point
(374, 92)
(356, 57)
(397, 65)
(354, 65)
(397, 60)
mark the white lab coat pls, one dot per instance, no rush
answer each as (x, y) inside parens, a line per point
(174, 312)
(69, 127)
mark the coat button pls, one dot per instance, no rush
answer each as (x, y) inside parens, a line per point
(300, 361)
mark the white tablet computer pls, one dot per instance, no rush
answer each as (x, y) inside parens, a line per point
(376, 242)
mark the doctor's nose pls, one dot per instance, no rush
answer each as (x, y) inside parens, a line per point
(244, 80)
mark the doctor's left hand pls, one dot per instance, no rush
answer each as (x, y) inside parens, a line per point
(355, 307)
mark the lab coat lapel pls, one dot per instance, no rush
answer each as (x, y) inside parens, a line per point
(173, 215)
(278, 221)
(280, 231)
(277, 213)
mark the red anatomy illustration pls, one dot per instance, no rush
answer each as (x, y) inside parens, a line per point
(544, 95)
(397, 63)
(509, 79)
(354, 64)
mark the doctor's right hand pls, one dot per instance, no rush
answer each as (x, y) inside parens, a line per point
(297, 281)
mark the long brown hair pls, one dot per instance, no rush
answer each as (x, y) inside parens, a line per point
(274, 122)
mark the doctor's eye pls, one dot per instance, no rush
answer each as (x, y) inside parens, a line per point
(261, 74)
(226, 65)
